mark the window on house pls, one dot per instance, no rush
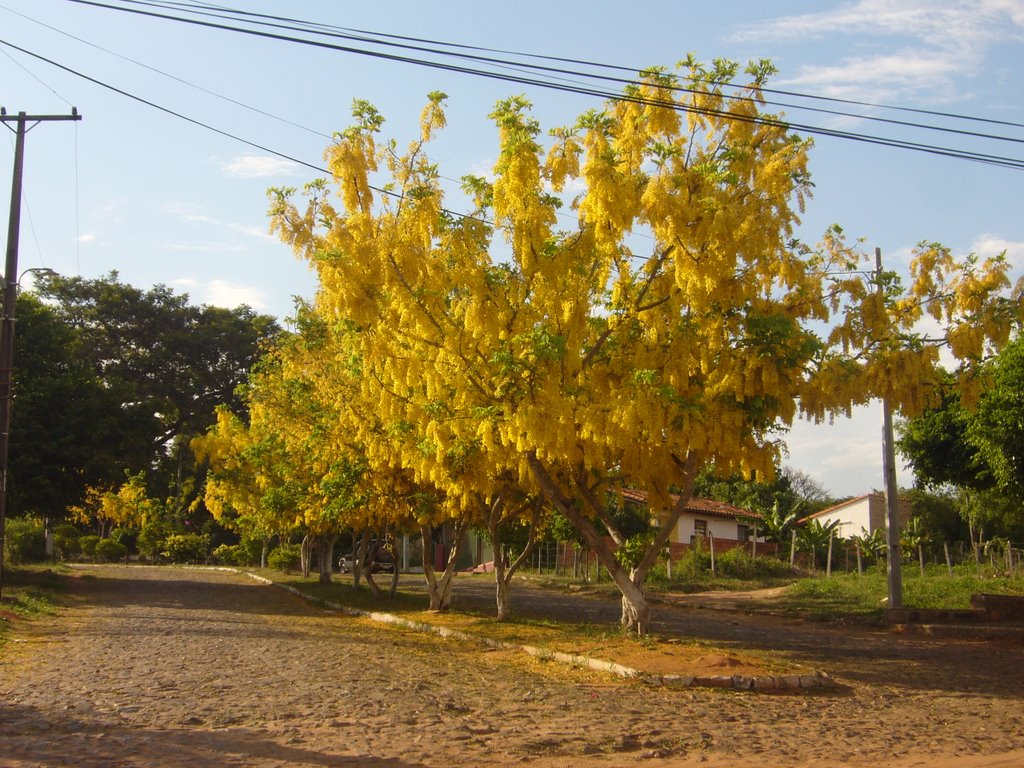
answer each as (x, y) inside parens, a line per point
(742, 533)
(700, 527)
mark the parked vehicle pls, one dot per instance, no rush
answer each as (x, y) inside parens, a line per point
(381, 560)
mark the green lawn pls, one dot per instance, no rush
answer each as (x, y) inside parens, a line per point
(849, 596)
(29, 591)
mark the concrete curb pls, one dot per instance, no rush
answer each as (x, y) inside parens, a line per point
(760, 683)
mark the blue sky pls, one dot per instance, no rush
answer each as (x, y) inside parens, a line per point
(162, 201)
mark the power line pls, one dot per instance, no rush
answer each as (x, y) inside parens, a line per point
(198, 7)
(214, 129)
(590, 91)
(205, 9)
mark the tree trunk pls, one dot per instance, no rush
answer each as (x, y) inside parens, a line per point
(324, 554)
(264, 551)
(920, 558)
(360, 546)
(949, 562)
(439, 591)
(503, 573)
(792, 550)
(635, 609)
(305, 554)
(860, 566)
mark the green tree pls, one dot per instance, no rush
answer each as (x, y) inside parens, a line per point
(997, 428)
(59, 412)
(978, 450)
(164, 365)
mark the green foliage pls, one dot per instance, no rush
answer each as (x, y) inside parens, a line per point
(632, 520)
(150, 541)
(853, 596)
(88, 544)
(285, 557)
(936, 446)
(245, 552)
(635, 547)
(126, 537)
(110, 551)
(695, 567)
(66, 540)
(114, 379)
(24, 541)
(939, 514)
(62, 411)
(186, 547)
(980, 450)
(997, 429)
(737, 563)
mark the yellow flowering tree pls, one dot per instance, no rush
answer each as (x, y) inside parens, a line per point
(674, 324)
(127, 507)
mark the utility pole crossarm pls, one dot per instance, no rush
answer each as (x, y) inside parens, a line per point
(7, 118)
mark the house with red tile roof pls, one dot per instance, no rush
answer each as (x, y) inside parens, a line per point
(704, 519)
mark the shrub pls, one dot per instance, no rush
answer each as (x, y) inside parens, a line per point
(186, 547)
(250, 551)
(245, 552)
(738, 564)
(24, 541)
(285, 558)
(110, 551)
(88, 544)
(125, 536)
(151, 541)
(228, 554)
(66, 540)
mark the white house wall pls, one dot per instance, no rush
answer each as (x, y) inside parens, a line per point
(852, 518)
(718, 527)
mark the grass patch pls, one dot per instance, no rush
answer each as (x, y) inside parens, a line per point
(849, 596)
(29, 592)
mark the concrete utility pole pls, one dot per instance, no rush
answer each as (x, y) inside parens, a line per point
(22, 122)
(894, 571)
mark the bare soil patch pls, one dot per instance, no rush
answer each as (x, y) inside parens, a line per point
(169, 667)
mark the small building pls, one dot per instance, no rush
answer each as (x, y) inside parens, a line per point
(863, 513)
(704, 519)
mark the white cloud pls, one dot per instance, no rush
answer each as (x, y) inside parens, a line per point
(86, 238)
(222, 293)
(940, 23)
(192, 214)
(258, 166)
(948, 39)
(880, 78)
(991, 245)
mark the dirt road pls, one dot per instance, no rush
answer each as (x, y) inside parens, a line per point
(167, 667)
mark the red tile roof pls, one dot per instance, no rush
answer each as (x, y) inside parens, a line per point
(695, 505)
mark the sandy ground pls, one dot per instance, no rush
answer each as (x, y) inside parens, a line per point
(162, 667)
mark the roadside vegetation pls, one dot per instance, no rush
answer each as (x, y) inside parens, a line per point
(32, 592)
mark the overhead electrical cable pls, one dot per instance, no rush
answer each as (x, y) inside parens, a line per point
(589, 63)
(162, 73)
(214, 129)
(982, 157)
(207, 9)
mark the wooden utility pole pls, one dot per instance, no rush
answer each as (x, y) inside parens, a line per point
(23, 124)
(894, 569)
